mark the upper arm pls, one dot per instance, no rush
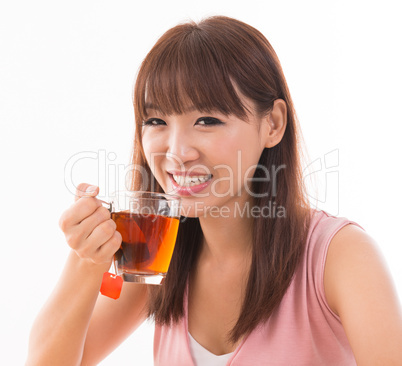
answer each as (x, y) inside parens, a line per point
(113, 321)
(359, 289)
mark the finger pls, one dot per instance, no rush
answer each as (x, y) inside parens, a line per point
(101, 234)
(87, 225)
(85, 189)
(88, 248)
(78, 233)
(78, 212)
(106, 251)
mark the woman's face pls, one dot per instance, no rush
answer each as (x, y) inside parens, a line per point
(206, 158)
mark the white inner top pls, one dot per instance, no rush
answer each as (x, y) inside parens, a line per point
(202, 357)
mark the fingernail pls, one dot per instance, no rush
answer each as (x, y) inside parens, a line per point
(91, 189)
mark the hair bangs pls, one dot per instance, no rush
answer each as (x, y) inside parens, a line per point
(186, 73)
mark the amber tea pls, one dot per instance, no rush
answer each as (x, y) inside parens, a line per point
(148, 223)
(148, 243)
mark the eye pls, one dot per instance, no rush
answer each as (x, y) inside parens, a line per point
(209, 121)
(153, 122)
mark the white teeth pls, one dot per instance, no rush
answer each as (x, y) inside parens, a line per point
(191, 181)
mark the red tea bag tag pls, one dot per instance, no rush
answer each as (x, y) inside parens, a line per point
(111, 285)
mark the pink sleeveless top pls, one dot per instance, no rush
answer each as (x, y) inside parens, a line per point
(302, 331)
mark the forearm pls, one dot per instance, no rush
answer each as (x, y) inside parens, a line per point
(59, 331)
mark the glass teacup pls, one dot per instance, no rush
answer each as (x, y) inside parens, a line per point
(148, 223)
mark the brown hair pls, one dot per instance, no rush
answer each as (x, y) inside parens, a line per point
(203, 65)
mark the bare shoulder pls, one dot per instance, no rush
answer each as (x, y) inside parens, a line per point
(359, 288)
(353, 255)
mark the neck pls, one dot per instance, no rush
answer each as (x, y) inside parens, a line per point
(227, 236)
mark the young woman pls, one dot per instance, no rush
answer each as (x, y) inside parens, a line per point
(257, 276)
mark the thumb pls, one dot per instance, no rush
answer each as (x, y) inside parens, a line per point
(86, 190)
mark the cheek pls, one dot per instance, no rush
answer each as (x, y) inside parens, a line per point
(242, 151)
(151, 146)
(148, 145)
(152, 156)
(247, 162)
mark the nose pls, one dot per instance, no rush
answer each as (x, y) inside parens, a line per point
(181, 147)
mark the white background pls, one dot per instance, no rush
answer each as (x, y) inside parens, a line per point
(66, 77)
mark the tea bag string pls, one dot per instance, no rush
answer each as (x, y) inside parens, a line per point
(108, 205)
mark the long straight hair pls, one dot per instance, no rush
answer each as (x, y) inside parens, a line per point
(207, 65)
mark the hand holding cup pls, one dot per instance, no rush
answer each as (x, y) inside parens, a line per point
(88, 227)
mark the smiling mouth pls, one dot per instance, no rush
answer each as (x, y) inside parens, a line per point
(190, 181)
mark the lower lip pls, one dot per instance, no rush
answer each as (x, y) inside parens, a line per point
(188, 191)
